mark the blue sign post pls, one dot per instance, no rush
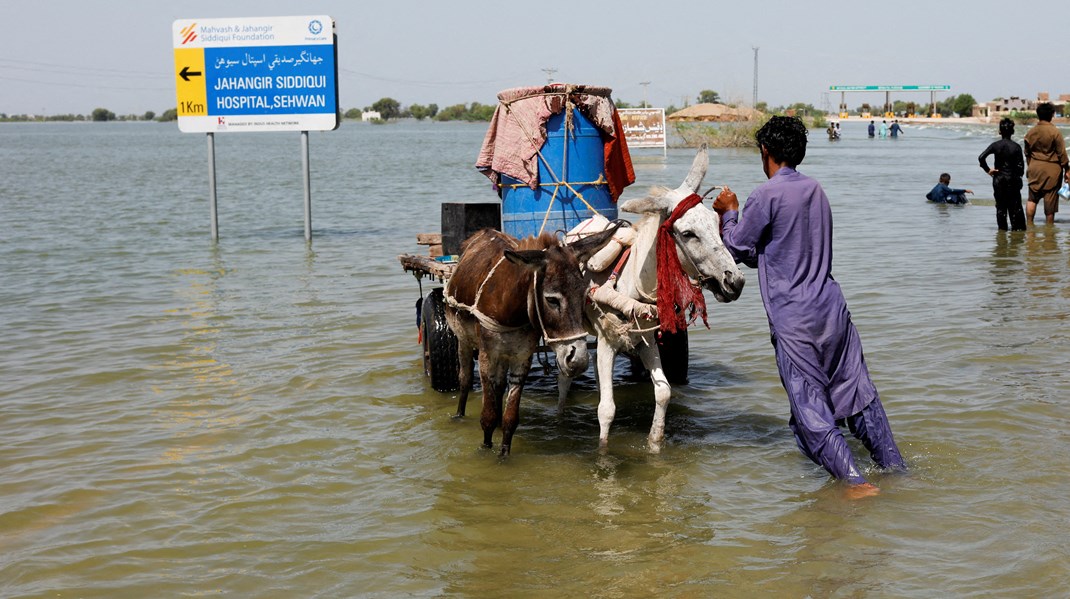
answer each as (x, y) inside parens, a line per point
(256, 74)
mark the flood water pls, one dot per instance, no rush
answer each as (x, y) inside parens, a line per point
(250, 418)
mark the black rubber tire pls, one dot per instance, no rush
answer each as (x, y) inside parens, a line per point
(440, 344)
(674, 356)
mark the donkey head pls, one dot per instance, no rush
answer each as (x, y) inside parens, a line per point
(560, 294)
(697, 232)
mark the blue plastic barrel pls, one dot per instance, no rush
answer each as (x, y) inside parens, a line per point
(524, 209)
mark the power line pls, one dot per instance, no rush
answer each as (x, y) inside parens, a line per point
(6, 63)
(549, 74)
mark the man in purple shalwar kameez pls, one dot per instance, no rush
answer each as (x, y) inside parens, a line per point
(786, 233)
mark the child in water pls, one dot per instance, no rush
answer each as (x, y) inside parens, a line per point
(943, 193)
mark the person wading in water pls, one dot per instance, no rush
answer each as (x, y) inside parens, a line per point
(786, 233)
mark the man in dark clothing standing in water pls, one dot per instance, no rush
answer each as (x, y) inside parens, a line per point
(786, 233)
(1006, 177)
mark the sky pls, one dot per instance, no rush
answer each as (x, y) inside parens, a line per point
(72, 56)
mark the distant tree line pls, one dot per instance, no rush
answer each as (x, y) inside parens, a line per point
(98, 115)
(961, 105)
(390, 109)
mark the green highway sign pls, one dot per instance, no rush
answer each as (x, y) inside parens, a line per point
(889, 88)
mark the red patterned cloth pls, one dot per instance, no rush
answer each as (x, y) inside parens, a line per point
(523, 112)
(619, 171)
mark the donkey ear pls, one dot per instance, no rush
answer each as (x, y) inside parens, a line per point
(589, 245)
(530, 259)
(640, 205)
(653, 203)
(699, 166)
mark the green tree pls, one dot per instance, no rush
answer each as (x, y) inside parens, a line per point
(481, 112)
(622, 104)
(946, 106)
(388, 108)
(103, 114)
(419, 112)
(451, 113)
(963, 105)
(708, 96)
(432, 110)
(802, 109)
(460, 112)
(171, 114)
(352, 113)
(148, 116)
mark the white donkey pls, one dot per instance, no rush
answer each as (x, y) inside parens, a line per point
(631, 325)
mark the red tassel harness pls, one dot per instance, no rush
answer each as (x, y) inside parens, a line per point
(675, 291)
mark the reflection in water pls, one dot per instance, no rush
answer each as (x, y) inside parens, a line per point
(1007, 270)
(569, 524)
(201, 392)
(1042, 270)
(608, 503)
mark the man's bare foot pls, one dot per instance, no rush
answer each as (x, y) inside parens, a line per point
(862, 490)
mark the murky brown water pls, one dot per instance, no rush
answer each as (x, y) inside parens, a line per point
(251, 419)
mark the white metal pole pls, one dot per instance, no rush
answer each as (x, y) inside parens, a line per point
(664, 137)
(211, 187)
(308, 187)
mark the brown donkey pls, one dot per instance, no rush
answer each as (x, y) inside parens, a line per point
(504, 295)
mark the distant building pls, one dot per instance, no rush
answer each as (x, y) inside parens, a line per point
(370, 115)
(1001, 107)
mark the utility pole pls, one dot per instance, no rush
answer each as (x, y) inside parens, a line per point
(644, 84)
(754, 100)
(549, 74)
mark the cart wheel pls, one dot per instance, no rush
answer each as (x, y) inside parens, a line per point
(674, 356)
(440, 344)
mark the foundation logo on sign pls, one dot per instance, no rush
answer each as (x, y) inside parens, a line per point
(315, 27)
(189, 33)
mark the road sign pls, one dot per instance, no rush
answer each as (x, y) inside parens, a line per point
(643, 127)
(256, 74)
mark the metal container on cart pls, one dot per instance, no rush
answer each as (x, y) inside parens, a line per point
(548, 150)
(574, 156)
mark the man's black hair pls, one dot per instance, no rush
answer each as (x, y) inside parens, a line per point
(784, 137)
(1006, 128)
(1045, 111)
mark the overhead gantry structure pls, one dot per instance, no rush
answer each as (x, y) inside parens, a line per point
(888, 89)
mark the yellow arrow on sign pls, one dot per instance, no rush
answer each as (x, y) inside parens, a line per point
(190, 88)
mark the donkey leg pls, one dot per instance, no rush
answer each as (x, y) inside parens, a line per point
(564, 382)
(465, 354)
(607, 408)
(662, 391)
(492, 378)
(511, 418)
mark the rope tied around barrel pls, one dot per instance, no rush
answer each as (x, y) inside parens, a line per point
(566, 92)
